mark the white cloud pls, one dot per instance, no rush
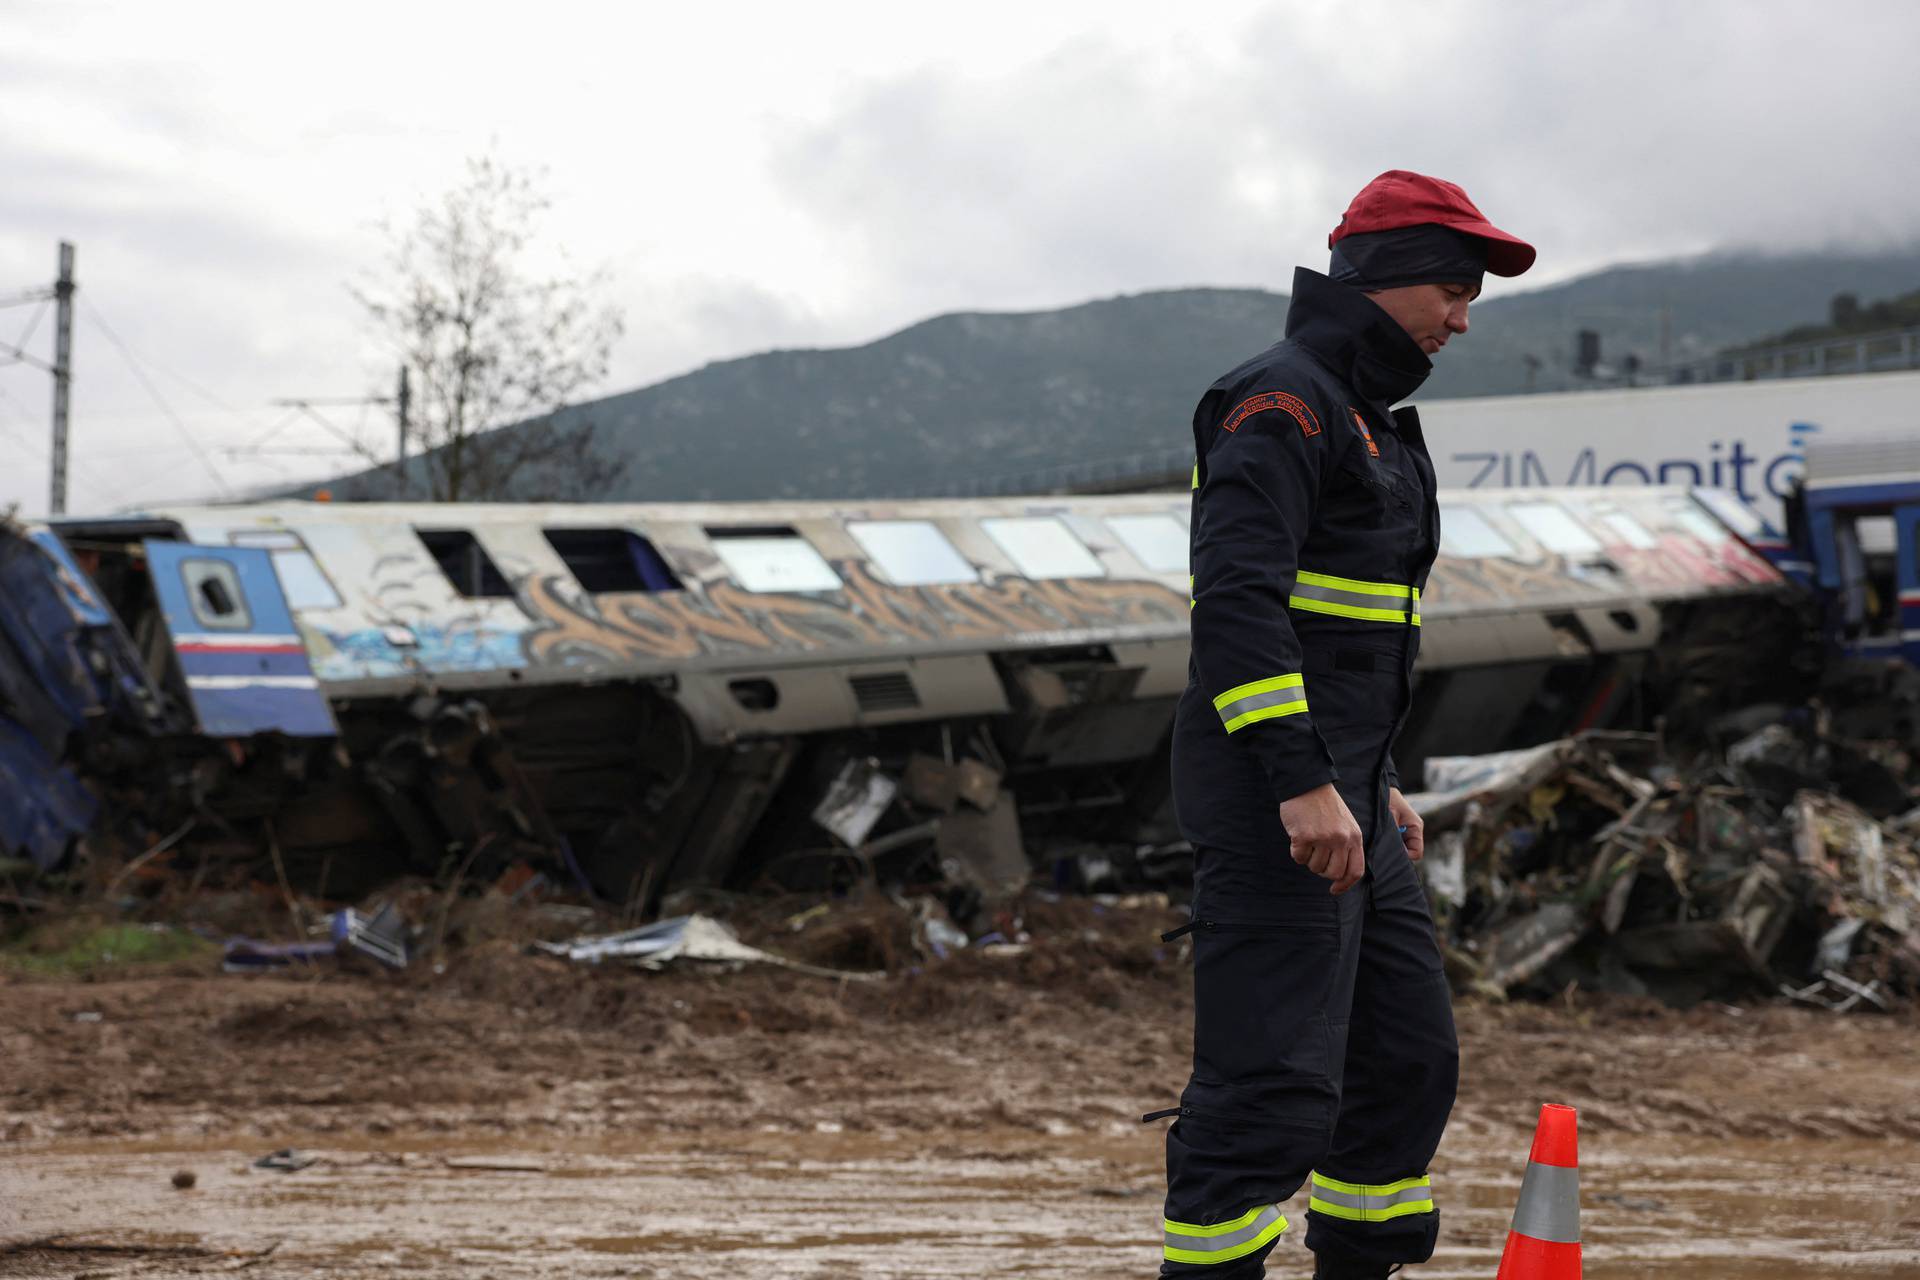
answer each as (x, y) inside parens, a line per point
(761, 175)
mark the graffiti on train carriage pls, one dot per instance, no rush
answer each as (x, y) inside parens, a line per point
(726, 619)
(564, 626)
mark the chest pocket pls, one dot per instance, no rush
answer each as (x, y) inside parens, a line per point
(1372, 483)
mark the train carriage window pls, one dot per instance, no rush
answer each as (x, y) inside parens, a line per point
(1628, 530)
(911, 553)
(1158, 542)
(1043, 547)
(1700, 524)
(214, 594)
(302, 581)
(1465, 533)
(466, 563)
(1557, 531)
(773, 559)
(610, 560)
(1731, 511)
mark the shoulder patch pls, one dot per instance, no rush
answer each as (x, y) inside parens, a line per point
(1365, 434)
(1292, 405)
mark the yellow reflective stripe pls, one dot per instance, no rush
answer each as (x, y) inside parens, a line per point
(1252, 687)
(1424, 1181)
(1192, 599)
(1356, 584)
(1196, 475)
(1223, 1241)
(1355, 598)
(1347, 610)
(1266, 713)
(1402, 1210)
(1258, 700)
(1364, 1202)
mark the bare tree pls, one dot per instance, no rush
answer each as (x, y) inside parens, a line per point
(497, 349)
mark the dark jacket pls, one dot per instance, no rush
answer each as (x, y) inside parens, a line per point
(1314, 526)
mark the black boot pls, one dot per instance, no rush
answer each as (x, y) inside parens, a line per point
(1353, 1270)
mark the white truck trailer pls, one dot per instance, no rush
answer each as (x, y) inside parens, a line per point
(1747, 437)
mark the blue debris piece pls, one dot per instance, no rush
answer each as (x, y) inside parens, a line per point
(63, 668)
(43, 806)
(250, 955)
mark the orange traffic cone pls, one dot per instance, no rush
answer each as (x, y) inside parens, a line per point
(1544, 1243)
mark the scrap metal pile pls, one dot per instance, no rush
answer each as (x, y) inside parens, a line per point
(1787, 862)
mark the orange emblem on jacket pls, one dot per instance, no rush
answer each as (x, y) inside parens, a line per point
(1365, 434)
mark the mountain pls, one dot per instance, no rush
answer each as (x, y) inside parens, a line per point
(971, 396)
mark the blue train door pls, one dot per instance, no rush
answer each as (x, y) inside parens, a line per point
(245, 666)
(1906, 523)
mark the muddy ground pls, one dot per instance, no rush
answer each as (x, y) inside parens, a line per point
(514, 1116)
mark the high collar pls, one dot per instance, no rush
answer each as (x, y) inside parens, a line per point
(1357, 340)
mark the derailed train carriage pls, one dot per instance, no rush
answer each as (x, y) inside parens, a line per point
(658, 695)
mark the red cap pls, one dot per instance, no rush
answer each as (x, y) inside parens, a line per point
(1401, 198)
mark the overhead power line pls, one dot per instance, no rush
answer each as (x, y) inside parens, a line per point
(291, 451)
(93, 314)
(39, 449)
(16, 356)
(25, 296)
(199, 452)
(348, 438)
(33, 324)
(17, 353)
(280, 424)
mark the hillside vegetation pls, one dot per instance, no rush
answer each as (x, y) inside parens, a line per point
(995, 394)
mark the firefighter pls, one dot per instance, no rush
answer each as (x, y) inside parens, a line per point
(1324, 1046)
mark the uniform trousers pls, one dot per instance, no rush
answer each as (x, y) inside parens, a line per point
(1324, 1048)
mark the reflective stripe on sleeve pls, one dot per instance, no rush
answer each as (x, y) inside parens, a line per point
(1261, 700)
(1354, 598)
(1225, 1241)
(1361, 1202)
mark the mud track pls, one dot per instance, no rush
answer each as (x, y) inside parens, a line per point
(512, 1116)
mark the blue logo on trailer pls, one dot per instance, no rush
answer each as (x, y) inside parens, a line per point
(1724, 467)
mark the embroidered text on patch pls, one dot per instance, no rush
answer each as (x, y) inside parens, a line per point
(1292, 404)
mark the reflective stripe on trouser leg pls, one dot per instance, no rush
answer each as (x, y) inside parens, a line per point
(1223, 1241)
(1244, 704)
(1355, 598)
(1371, 1202)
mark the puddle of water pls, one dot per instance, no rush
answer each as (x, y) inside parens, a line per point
(978, 1204)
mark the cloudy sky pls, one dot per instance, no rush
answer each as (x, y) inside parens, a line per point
(757, 175)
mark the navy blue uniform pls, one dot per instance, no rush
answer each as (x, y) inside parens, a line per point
(1323, 1029)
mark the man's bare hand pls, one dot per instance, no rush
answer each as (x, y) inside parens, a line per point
(1412, 830)
(1326, 839)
